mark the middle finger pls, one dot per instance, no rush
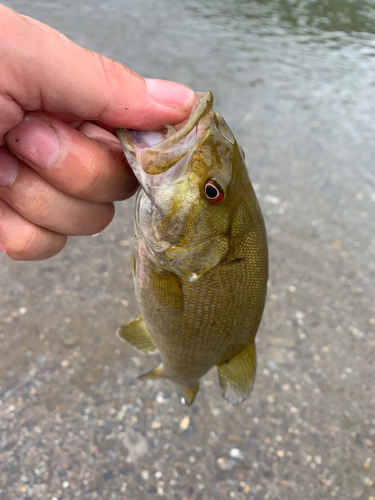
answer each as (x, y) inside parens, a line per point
(87, 163)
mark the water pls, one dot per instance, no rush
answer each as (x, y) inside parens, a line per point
(295, 80)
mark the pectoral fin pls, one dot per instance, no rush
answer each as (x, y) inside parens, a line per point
(135, 333)
(237, 375)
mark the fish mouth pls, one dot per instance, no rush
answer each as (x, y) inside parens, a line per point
(157, 152)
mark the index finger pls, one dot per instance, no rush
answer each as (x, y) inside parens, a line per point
(42, 71)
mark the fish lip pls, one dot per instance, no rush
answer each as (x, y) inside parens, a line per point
(160, 157)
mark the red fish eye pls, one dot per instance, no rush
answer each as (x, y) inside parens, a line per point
(213, 191)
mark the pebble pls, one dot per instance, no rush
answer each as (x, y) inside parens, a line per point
(274, 200)
(225, 464)
(236, 453)
(70, 342)
(318, 460)
(155, 424)
(367, 481)
(145, 475)
(185, 422)
(280, 453)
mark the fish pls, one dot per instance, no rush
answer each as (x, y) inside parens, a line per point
(200, 254)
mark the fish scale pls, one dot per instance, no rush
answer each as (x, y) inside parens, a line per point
(201, 265)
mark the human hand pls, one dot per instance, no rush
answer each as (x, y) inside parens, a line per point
(61, 166)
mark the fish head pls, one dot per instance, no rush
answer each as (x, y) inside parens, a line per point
(191, 179)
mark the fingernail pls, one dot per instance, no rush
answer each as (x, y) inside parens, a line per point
(34, 140)
(8, 167)
(169, 93)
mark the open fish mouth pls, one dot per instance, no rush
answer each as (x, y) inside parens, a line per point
(157, 152)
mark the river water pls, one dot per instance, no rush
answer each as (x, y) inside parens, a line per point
(295, 80)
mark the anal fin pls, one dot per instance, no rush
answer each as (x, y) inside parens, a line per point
(135, 333)
(237, 375)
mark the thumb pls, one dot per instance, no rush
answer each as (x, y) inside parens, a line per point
(42, 70)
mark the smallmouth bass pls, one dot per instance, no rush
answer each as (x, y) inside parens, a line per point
(200, 256)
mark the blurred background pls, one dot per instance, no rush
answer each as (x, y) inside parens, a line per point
(295, 80)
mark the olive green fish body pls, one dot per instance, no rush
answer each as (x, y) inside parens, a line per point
(200, 257)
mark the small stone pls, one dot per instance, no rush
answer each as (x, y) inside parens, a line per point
(64, 363)
(185, 422)
(155, 424)
(246, 489)
(70, 342)
(65, 484)
(318, 460)
(225, 464)
(272, 199)
(160, 398)
(158, 474)
(145, 475)
(123, 487)
(22, 310)
(280, 453)
(367, 481)
(236, 453)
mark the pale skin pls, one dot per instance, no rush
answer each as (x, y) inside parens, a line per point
(61, 166)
